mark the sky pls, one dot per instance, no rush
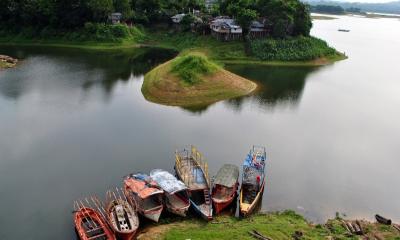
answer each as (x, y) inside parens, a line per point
(367, 1)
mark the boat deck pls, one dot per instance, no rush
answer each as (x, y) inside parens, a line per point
(177, 201)
(192, 175)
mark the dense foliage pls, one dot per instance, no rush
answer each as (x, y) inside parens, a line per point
(284, 17)
(189, 67)
(295, 49)
(70, 14)
(98, 32)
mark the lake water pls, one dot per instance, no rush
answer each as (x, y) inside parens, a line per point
(74, 122)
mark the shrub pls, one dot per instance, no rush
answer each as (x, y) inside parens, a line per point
(292, 49)
(189, 67)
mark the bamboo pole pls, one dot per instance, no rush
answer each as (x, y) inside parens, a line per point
(87, 220)
(84, 215)
(99, 208)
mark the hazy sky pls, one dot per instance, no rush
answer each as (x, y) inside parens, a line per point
(368, 1)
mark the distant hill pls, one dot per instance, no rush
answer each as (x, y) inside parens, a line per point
(389, 7)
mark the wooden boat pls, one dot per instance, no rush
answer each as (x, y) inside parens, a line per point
(121, 216)
(253, 180)
(383, 220)
(176, 194)
(90, 224)
(141, 190)
(191, 168)
(225, 187)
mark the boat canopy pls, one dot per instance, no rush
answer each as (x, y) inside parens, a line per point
(142, 184)
(227, 175)
(253, 165)
(168, 182)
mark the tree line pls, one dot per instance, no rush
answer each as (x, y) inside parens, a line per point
(284, 17)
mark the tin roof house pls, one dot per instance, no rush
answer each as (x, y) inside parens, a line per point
(178, 17)
(225, 29)
(115, 18)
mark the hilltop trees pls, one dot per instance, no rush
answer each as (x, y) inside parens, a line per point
(285, 17)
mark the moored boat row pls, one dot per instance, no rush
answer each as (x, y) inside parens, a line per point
(149, 195)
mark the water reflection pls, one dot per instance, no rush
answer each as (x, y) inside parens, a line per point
(80, 68)
(277, 85)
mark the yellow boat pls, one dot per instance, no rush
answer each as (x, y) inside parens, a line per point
(253, 180)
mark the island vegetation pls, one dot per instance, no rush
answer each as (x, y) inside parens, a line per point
(282, 37)
(277, 226)
(191, 80)
(88, 24)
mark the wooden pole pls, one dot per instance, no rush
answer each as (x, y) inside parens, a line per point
(85, 211)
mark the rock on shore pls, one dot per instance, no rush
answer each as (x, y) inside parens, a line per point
(7, 61)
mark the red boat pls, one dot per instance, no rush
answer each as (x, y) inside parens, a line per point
(225, 187)
(145, 194)
(90, 225)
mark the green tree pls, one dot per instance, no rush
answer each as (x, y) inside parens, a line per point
(100, 9)
(124, 7)
(243, 12)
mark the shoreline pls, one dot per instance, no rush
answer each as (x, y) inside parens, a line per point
(273, 225)
(109, 46)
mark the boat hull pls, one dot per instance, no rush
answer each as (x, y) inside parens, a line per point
(247, 209)
(82, 215)
(153, 215)
(125, 236)
(219, 206)
(203, 210)
(178, 211)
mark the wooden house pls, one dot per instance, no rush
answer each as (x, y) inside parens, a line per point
(225, 29)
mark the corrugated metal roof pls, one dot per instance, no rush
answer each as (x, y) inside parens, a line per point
(167, 181)
(227, 175)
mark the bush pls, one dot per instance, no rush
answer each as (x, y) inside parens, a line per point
(189, 67)
(89, 32)
(293, 49)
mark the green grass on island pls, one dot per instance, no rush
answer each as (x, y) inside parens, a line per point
(191, 79)
(277, 226)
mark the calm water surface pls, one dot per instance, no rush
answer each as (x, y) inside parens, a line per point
(73, 123)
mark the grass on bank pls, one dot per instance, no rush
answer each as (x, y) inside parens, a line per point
(191, 79)
(305, 51)
(91, 36)
(277, 226)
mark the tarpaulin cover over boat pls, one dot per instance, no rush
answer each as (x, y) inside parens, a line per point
(227, 176)
(167, 181)
(253, 166)
(142, 184)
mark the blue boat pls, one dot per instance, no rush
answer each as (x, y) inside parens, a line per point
(253, 180)
(191, 169)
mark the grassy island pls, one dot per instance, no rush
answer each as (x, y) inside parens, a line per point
(191, 79)
(276, 226)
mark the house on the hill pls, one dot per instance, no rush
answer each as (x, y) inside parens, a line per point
(178, 17)
(115, 18)
(258, 30)
(225, 29)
